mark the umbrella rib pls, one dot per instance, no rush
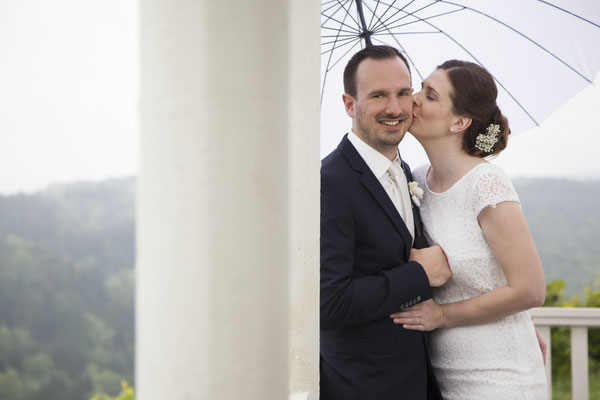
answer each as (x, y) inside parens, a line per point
(348, 13)
(382, 23)
(342, 36)
(373, 14)
(345, 40)
(423, 19)
(340, 24)
(496, 79)
(478, 62)
(342, 56)
(340, 30)
(524, 36)
(403, 50)
(329, 66)
(405, 54)
(404, 33)
(569, 12)
(330, 17)
(332, 1)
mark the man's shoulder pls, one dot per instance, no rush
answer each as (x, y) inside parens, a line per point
(335, 163)
(341, 157)
(332, 158)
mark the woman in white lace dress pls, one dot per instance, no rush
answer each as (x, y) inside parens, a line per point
(483, 343)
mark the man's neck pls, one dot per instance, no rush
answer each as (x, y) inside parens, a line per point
(390, 152)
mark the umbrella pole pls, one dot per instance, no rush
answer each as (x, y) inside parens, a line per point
(366, 33)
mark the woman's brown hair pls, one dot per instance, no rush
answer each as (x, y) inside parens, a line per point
(474, 95)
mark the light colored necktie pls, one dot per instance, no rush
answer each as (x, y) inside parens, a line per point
(397, 178)
(401, 200)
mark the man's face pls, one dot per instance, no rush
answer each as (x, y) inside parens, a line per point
(382, 110)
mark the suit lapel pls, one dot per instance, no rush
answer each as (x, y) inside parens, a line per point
(374, 187)
(420, 240)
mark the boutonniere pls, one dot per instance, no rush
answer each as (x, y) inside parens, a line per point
(416, 193)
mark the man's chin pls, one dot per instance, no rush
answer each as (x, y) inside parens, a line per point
(395, 138)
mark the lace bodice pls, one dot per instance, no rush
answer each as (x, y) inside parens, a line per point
(498, 360)
(450, 220)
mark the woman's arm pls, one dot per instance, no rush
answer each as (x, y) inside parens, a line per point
(506, 232)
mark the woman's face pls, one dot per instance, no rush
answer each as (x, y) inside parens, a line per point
(432, 107)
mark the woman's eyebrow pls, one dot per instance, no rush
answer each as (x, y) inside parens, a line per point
(428, 86)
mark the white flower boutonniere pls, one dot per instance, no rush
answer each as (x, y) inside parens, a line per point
(416, 193)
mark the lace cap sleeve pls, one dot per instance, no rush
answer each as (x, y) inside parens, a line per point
(491, 188)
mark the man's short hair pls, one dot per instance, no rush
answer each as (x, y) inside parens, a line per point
(374, 52)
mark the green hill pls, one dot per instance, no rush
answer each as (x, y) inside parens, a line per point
(564, 219)
(66, 291)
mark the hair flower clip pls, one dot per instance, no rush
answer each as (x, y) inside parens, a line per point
(416, 193)
(486, 141)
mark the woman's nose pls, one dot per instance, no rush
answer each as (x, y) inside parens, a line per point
(416, 98)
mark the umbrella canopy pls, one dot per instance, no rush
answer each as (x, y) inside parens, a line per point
(541, 53)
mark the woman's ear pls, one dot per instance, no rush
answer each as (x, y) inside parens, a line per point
(460, 124)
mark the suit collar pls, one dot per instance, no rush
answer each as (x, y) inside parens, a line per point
(377, 162)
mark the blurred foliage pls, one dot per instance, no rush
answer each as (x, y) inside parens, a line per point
(126, 394)
(561, 340)
(67, 291)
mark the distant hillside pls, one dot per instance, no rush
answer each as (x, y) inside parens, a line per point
(564, 218)
(67, 291)
(78, 220)
(75, 220)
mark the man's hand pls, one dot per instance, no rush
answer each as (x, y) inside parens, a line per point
(434, 262)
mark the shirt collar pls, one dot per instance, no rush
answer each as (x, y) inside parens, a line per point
(377, 162)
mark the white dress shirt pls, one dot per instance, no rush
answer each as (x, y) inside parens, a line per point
(379, 165)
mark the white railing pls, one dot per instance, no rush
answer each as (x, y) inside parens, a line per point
(579, 319)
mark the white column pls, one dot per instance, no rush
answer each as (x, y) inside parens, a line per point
(215, 202)
(304, 200)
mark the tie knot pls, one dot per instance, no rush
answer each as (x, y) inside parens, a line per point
(395, 169)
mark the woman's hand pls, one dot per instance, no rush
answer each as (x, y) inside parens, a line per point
(425, 316)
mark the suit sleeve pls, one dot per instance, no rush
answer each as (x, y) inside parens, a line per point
(348, 300)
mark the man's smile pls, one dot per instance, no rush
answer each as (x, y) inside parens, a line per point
(392, 121)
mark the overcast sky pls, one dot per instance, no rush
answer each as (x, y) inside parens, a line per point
(68, 87)
(68, 98)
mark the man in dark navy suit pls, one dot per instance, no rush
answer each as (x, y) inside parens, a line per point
(369, 266)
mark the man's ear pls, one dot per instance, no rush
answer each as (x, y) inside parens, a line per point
(349, 103)
(461, 123)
